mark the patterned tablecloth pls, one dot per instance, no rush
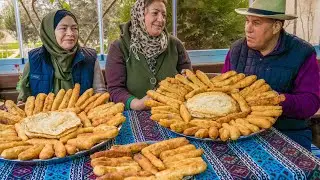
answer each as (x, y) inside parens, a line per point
(269, 155)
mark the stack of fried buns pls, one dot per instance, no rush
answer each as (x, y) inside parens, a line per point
(168, 159)
(227, 106)
(58, 125)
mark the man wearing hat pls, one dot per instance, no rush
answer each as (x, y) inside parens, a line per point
(286, 62)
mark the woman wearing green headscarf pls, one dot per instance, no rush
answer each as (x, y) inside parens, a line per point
(60, 62)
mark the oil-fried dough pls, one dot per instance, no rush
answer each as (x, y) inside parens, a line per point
(39, 102)
(47, 152)
(83, 98)
(145, 163)
(74, 96)
(48, 102)
(12, 153)
(31, 153)
(29, 106)
(57, 101)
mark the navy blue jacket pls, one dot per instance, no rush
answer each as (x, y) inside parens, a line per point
(41, 74)
(279, 68)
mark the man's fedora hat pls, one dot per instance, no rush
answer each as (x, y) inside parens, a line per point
(274, 9)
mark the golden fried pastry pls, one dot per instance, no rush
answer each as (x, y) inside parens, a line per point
(242, 102)
(133, 148)
(59, 149)
(157, 117)
(165, 108)
(71, 149)
(194, 92)
(179, 150)
(179, 127)
(74, 96)
(185, 81)
(167, 122)
(243, 129)
(105, 161)
(95, 111)
(31, 153)
(83, 98)
(184, 155)
(202, 133)
(223, 76)
(204, 123)
(191, 131)
(170, 94)
(186, 116)
(114, 153)
(260, 122)
(19, 129)
(265, 108)
(233, 130)
(90, 100)
(232, 116)
(204, 78)
(247, 81)
(39, 103)
(12, 153)
(47, 152)
(84, 119)
(153, 103)
(48, 102)
(224, 134)
(57, 101)
(9, 119)
(213, 132)
(14, 109)
(29, 107)
(271, 113)
(252, 127)
(211, 104)
(145, 163)
(154, 160)
(164, 99)
(101, 170)
(100, 100)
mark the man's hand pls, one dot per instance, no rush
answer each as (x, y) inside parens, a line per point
(138, 104)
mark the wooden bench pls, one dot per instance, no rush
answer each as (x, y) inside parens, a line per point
(8, 82)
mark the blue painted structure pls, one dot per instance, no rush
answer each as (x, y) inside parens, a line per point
(7, 66)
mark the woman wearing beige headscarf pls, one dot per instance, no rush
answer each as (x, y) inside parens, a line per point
(60, 62)
(144, 55)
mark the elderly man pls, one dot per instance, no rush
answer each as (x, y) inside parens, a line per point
(285, 61)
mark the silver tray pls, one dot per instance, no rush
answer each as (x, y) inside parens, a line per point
(57, 160)
(152, 142)
(216, 140)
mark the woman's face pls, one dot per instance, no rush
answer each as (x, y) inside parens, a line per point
(67, 33)
(155, 18)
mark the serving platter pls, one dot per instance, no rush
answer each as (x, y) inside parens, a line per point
(55, 160)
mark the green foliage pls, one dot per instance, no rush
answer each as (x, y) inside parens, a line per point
(9, 19)
(1, 35)
(207, 24)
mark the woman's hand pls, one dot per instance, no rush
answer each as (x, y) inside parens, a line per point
(138, 104)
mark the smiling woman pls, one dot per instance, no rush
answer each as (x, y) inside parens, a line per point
(144, 55)
(60, 62)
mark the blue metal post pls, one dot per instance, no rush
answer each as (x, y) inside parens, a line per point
(174, 17)
(101, 29)
(19, 32)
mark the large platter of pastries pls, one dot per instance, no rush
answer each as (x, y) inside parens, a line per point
(226, 107)
(54, 128)
(169, 159)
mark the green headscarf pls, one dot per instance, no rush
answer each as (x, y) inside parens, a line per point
(61, 59)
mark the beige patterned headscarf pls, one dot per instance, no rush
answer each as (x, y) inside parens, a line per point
(149, 46)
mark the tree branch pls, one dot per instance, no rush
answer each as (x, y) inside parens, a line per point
(24, 7)
(95, 26)
(34, 9)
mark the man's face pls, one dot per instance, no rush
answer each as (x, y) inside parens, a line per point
(259, 32)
